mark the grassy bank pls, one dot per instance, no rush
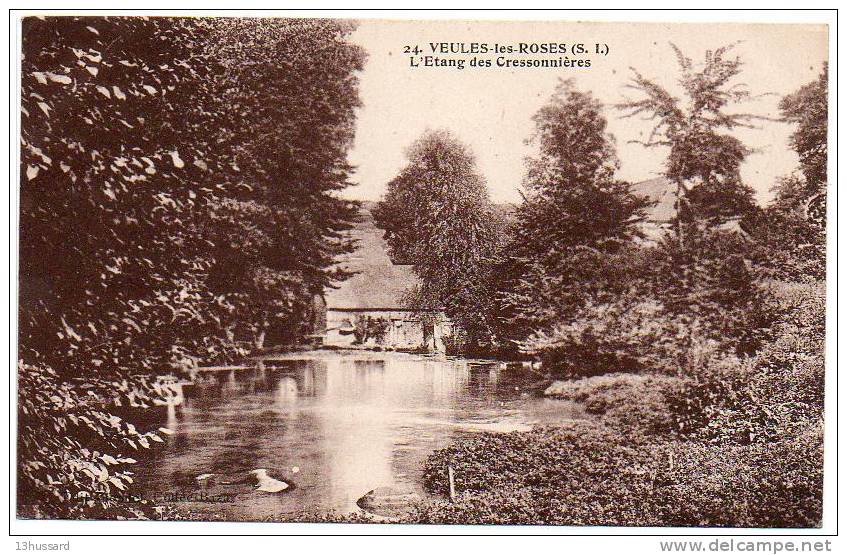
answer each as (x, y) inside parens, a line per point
(590, 475)
(734, 441)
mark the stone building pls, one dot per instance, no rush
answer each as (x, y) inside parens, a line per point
(369, 308)
(659, 219)
(662, 193)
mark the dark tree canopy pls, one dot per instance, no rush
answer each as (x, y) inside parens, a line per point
(179, 181)
(807, 109)
(792, 229)
(575, 212)
(704, 157)
(436, 215)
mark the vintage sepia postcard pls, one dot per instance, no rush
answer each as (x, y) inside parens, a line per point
(288, 268)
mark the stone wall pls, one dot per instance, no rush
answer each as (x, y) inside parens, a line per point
(403, 329)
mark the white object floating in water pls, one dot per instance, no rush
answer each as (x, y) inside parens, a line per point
(295, 469)
(205, 480)
(266, 483)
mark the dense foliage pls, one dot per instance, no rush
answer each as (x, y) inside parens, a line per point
(110, 262)
(639, 405)
(793, 228)
(179, 204)
(574, 220)
(705, 372)
(289, 123)
(663, 305)
(582, 475)
(437, 216)
(704, 157)
(807, 109)
(740, 444)
(178, 199)
(75, 455)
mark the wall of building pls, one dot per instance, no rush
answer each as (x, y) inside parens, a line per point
(402, 329)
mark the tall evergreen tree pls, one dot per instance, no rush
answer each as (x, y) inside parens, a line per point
(575, 213)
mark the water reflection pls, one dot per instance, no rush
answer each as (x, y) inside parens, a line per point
(348, 424)
(171, 422)
(286, 396)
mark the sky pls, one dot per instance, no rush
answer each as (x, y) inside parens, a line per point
(491, 109)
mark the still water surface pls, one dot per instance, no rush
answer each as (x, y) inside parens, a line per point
(334, 425)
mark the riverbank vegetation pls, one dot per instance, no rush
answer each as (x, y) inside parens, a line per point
(179, 203)
(178, 200)
(700, 352)
(437, 216)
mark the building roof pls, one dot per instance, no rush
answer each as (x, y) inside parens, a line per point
(663, 193)
(373, 287)
(378, 283)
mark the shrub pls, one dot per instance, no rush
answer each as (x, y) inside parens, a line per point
(634, 404)
(579, 474)
(587, 474)
(777, 484)
(574, 217)
(778, 391)
(368, 327)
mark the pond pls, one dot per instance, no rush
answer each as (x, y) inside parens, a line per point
(334, 425)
